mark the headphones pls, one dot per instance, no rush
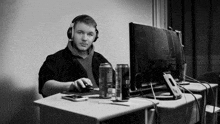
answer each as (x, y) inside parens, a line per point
(69, 31)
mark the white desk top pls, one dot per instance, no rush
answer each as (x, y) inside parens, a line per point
(95, 107)
(197, 87)
(173, 104)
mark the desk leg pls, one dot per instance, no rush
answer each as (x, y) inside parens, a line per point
(151, 117)
(212, 118)
(203, 107)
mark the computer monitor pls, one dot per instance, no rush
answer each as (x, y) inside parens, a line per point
(154, 51)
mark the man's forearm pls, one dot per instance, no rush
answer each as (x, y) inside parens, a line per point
(52, 87)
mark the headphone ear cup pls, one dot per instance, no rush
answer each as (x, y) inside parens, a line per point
(69, 33)
(97, 33)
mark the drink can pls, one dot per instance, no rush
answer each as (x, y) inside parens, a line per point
(105, 80)
(122, 82)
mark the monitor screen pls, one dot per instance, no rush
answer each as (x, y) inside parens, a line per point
(153, 51)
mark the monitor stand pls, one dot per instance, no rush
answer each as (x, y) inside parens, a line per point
(173, 91)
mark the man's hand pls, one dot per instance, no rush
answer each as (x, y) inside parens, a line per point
(80, 84)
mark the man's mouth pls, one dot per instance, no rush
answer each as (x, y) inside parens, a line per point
(83, 44)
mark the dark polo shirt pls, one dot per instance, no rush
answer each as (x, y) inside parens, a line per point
(64, 66)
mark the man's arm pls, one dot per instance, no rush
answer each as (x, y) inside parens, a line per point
(52, 86)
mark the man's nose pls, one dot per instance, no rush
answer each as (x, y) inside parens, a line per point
(85, 37)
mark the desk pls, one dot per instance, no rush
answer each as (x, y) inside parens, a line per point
(210, 99)
(180, 111)
(54, 110)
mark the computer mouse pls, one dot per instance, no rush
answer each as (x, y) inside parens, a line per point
(87, 88)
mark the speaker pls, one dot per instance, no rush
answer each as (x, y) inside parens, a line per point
(69, 32)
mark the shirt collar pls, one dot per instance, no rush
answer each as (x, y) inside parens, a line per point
(75, 52)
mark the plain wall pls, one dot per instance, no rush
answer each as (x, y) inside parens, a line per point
(32, 29)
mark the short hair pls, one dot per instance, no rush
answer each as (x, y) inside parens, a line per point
(85, 19)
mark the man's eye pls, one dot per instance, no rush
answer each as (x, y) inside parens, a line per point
(80, 32)
(91, 34)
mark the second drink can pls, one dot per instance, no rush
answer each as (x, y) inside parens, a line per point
(122, 82)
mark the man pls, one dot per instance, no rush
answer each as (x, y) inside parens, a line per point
(76, 66)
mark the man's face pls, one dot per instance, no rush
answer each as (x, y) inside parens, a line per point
(83, 36)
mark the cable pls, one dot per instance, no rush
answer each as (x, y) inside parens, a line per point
(214, 98)
(155, 105)
(194, 80)
(196, 102)
(152, 89)
(183, 91)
